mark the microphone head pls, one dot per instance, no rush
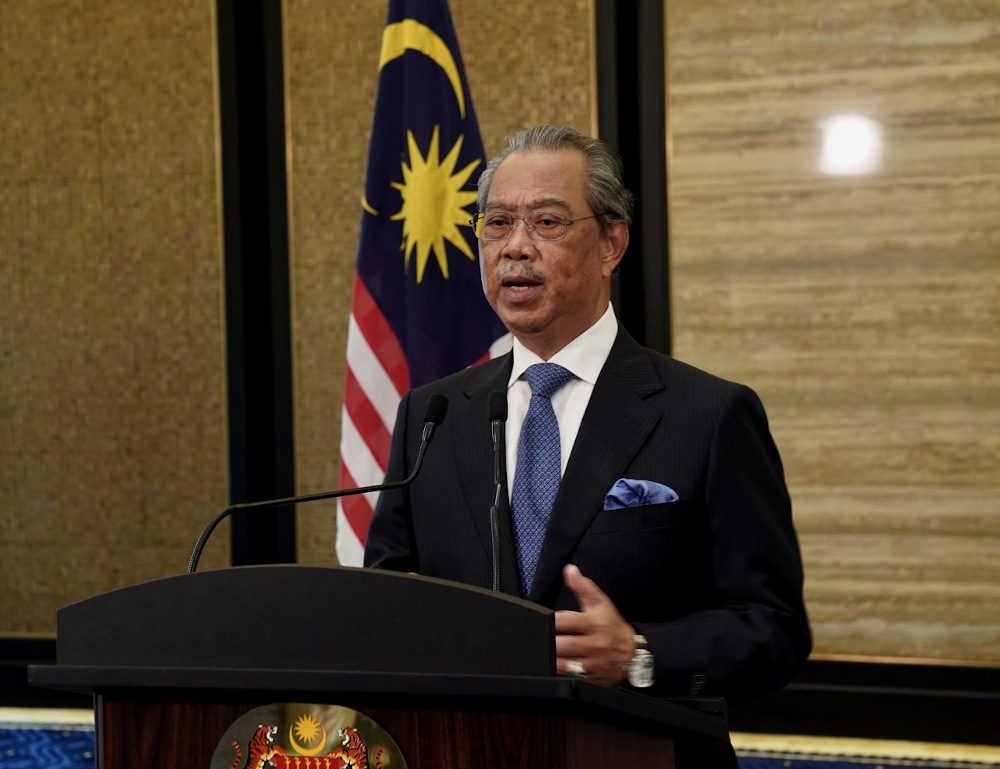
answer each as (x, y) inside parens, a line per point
(437, 407)
(496, 406)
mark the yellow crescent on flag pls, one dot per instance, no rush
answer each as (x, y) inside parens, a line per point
(409, 34)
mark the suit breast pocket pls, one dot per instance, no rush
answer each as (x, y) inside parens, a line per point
(642, 556)
(643, 518)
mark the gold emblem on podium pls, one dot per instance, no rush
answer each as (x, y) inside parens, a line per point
(295, 735)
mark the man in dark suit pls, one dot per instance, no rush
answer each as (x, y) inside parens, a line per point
(671, 531)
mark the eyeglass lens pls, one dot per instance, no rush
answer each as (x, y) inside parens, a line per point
(540, 225)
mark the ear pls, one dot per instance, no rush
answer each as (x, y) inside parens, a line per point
(614, 242)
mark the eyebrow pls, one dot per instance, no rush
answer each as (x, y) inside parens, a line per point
(540, 204)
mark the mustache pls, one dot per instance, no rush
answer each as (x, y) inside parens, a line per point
(522, 270)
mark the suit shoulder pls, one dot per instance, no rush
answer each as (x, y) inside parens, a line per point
(686, 372)
(482, 376)
(685, 386)
(677, 373)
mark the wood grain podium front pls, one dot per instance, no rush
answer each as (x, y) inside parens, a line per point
(457, 675)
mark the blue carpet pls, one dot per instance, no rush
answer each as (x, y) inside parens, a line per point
(47, 748)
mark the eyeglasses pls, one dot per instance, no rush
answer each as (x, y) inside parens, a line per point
(497, 225)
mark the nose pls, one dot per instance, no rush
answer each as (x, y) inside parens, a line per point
(518, 244)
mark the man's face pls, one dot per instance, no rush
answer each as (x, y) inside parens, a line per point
(548, 292)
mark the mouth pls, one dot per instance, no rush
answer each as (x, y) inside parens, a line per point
(520, 284)
(521, 281)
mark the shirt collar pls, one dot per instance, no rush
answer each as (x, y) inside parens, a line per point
(585, 356)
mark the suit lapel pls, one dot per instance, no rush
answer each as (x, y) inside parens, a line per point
(614, 427)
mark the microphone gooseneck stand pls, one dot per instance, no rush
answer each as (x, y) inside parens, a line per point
(496, 410)
(433, 416)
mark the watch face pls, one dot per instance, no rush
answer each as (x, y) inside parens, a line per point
(640, 672)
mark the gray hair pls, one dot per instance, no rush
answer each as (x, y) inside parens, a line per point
(606, 192)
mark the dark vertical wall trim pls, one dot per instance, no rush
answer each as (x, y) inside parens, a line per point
(255, 227)
(631, 114)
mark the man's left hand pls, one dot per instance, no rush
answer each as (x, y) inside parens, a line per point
(596, 637)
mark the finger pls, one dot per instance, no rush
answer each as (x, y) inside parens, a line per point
(573, 646)
(572, 622)
(588, 594)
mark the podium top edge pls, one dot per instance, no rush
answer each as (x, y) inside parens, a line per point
(238, 572)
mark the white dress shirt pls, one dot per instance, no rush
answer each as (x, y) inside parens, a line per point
(585, 356)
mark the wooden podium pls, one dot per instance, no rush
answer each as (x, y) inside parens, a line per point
(457, 675)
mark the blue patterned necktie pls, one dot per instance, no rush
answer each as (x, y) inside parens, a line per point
(539, 467)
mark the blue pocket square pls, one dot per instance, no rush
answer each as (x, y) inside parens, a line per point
(629, 493)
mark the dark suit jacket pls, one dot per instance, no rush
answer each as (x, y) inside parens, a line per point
(713, 580)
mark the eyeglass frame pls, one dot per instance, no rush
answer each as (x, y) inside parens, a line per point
(528, 227)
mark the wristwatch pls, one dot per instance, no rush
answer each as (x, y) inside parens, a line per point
(640, 669)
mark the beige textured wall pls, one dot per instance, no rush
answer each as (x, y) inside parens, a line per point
(517, 78)
(112, 428)
(865, 310)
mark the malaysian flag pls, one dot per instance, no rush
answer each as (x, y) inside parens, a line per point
(418, 310)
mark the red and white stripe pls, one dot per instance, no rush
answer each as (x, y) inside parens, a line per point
(377, 377)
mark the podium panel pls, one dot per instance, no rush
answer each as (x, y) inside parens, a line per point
(174, 734)
(284, 617)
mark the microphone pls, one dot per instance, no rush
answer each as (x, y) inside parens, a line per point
(437, 406)
(496, 412)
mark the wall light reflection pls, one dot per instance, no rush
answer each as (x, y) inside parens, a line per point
(852, 146)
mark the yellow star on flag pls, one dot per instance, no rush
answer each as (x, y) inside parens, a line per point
(433, 204)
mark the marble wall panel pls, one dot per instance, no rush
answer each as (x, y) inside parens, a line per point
(864, 309)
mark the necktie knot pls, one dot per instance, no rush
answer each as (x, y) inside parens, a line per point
(545, 379)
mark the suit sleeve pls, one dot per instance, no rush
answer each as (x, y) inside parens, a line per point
(391, 543)
(754, 636)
